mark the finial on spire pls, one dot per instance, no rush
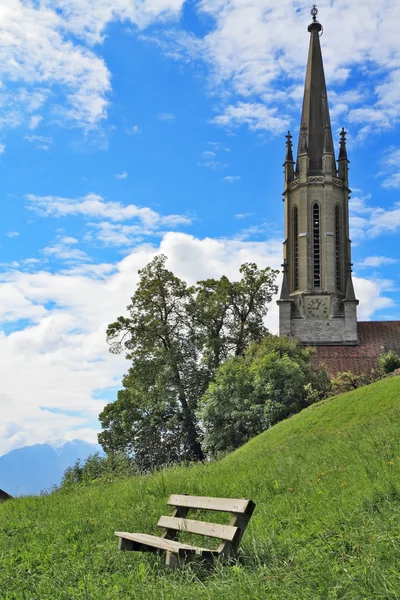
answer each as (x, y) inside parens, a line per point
(289, 145)
(343, 150)
(314, 12)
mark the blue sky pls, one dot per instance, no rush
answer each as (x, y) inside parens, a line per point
(130, 127)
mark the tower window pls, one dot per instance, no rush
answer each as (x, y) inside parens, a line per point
(337, 247)
(296, 247)
(317, 245)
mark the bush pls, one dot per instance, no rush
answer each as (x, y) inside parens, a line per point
(96, 467)
(388, 362)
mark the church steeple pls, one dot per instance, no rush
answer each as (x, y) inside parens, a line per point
(315, 113)
(317, 303)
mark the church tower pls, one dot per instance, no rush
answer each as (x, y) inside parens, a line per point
(317, 302)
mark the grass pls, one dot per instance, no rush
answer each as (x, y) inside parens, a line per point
(327, 523)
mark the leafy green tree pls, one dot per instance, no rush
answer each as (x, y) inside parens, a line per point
(176, 337)
(272, 380)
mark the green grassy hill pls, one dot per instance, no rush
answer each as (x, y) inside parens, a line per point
(327, 523)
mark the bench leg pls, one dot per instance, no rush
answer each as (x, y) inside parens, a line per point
(172, 560)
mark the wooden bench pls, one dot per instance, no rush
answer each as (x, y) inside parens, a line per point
(230, 535)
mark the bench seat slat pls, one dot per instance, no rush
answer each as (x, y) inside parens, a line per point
(215, 530)
(157, 542)
(236, 505)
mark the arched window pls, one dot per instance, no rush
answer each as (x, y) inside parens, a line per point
(337, 247)
(317, 245)
(296, 247)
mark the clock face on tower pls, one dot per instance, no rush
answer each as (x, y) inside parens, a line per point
(317, 308)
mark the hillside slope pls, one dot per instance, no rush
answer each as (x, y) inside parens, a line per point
(327, 523)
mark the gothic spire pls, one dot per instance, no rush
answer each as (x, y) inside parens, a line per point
(315, 113)
(343, 149)
(289, 145)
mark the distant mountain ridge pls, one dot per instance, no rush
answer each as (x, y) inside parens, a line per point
(33, 469)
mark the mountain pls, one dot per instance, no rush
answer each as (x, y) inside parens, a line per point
(32, 469)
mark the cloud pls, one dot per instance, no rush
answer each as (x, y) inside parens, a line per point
(12, 234)
(122, 175)
(42, 142)
(232, 178)
(368, 221)
(377, 261)
(257, 50)
(369, 292)
(2, 148)
(244, 215)
(166, 117)
(48, 53)
(110, 228)
(255, 115)
(391, 168)
(134, 130)
(214, 165)
(63, 250)
(34, 121)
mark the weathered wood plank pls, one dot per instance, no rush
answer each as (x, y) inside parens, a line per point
(215, 530)
(236, 505)
(157, 542)
(240, 520)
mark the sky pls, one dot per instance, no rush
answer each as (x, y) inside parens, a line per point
(134, 127)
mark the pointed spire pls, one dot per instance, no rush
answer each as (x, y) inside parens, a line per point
(285, 282)
(303, 147)
(343, 149)
(289, 145)
(328, 146)
(315, 113)
(350, 294)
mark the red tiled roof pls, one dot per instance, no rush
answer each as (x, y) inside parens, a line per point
(375, 337)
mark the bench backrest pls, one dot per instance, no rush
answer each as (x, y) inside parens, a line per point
(230, 535)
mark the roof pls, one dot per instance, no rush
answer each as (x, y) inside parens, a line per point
(4, 496)
(376, 337)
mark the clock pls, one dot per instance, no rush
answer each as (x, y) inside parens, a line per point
(318, 308)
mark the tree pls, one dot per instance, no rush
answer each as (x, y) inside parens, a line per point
(176, 337)
(272, 380)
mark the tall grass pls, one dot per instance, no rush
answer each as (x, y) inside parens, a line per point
(327, 523)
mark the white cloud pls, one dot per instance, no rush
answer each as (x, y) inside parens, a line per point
(110, 229)
(368, 221)
(232, 178)
(244, 215)
(2, 148)
(214, 165)
(34, 121)
(47, 51)
(377, 261)
(166, 117)
(391, 168)
(43, 142)
(255, 115)
(258, 49)
(62, 249)
(12, 234)
(134, 130)
(369, 292)
(122, 175)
